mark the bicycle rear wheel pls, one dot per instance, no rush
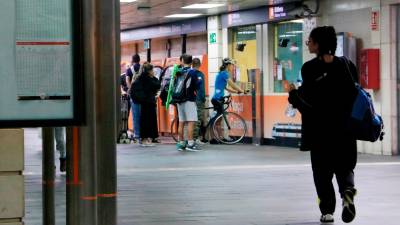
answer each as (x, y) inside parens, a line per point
(174, 129)
(229, 128)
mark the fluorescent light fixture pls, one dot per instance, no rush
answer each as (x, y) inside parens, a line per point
(287, 35)
(189, 15)
(295, 32)
(127, 1)
(202, 6)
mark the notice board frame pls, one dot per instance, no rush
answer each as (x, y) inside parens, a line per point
(78, 81)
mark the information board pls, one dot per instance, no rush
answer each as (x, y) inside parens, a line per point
(40, 79)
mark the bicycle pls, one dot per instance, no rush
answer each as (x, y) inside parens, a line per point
(227, 127)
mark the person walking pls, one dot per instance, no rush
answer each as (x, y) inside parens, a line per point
(59, 136)
(131, 74)
(200, 102)
(146, 87)
(325, 102)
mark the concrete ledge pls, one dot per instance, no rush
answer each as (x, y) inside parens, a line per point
(12, 192)
(11, 150)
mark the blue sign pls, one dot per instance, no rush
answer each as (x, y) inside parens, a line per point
(246, 17)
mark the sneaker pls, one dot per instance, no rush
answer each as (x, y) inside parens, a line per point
(214, 142)
(327, 218)
(349, 210)
(63, 164)
(193, 148)
(147, 143)
(180, 147)
(155, 140)
(199, 142)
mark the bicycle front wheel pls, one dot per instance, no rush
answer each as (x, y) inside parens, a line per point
(229, 128)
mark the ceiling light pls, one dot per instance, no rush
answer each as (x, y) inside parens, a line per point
(202, 6)
(127, 1)
(189, 15)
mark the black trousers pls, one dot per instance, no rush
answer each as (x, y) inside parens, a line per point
(328, 162)
(148, 121)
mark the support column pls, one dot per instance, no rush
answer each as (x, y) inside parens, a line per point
(48, 175)
(82, 175)
(183, 44)
(105, 119)
(12, 187)
(215, 49)
(91, 196)
(149, 51)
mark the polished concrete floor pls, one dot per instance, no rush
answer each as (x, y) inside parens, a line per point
(223, 185)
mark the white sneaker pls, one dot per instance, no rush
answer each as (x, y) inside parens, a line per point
(199, 142)
(147, 144)
(327, 218)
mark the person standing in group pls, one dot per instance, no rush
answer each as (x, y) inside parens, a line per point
(325, 102)
(131, 74)
(184, 95)
(200, 101)
(144, 90)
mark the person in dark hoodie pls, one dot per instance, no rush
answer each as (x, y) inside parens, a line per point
(325, 102)
(146, 87)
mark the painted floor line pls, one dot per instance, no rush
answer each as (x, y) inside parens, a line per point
(124, 171)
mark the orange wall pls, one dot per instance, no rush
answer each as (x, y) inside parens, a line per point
(274, 112)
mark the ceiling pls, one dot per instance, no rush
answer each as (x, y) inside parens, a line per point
(152, 12)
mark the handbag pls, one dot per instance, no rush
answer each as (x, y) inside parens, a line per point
(364, 123)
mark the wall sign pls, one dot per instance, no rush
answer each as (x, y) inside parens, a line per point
(245, 17)
(375, 20)
(40, 76)
(165, 30)
(213, 38)
(274, 13)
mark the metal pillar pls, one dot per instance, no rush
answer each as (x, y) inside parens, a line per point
(72, 183)
(149, 51)
(48, 173)
(105, 93)
(184, 37)
(91, 192)
(168, 47)
(82, 176)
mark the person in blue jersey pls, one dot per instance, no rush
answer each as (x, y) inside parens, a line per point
(223, 82)
(200, 102)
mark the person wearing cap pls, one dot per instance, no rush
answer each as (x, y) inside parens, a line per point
(223, 82)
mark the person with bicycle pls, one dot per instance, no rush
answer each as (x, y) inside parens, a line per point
(223, 82)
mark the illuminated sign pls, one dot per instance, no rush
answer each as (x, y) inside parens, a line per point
(277, 12)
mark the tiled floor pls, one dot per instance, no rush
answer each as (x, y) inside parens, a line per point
(224, 185)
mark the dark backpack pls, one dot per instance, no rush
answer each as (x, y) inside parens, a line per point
(181, 86)
(364, 123)
(165, 81)
(136, 92)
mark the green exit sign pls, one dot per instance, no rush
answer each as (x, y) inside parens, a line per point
(213, 38)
